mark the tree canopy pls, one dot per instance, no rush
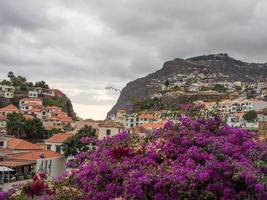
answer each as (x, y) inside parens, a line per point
(19, 127)
(250, 116)
(73, 145)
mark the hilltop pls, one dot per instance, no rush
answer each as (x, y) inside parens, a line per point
(15, 88)
(207, 68)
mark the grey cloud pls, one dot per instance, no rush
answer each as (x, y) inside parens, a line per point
(86, 45)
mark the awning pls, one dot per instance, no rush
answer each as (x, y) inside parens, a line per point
(6, 169)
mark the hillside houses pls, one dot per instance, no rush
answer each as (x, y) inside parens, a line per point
(7, 91)
(52, 117)
(134, 119)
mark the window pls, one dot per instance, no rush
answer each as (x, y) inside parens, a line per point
(108, 132)
(48, 146)
(58, 148)
(1, 143)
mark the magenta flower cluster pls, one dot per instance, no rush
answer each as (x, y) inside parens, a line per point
(193, 159)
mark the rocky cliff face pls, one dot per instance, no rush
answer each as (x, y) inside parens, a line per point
(222, 65)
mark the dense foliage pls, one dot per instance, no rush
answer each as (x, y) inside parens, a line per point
(21, 83)
(73, 145)
(195, 159)
(250, 116)
(18, 126)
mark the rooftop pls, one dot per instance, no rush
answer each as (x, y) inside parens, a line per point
(19, 144)
(10, 107)
(35, 155)
(59, 138)
(110, 124)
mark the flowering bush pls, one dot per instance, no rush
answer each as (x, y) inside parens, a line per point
(37, 187)
(194, 159)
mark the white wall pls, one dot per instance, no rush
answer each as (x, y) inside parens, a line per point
(103, 130)
(54, 167)
(53, 146)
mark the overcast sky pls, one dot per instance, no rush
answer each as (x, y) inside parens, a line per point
(83, 46)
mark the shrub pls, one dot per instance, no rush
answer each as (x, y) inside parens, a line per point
(194, 159)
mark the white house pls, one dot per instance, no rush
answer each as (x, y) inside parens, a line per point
(55, 142)
(25, 101)
(52, 166)
(8, 109)
(32, 94)
(109, 128)
(7, 91)
(193, 88)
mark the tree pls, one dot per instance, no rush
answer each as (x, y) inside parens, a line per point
(74, 145)
(11, 76)
(167, 83)
(6, 82)
(19, 127)
(219, 88)
(250, 116)
(15, 124)
(67, 127)
(34, 129)
(41, 84)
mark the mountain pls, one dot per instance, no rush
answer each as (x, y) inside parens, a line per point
(218, 66)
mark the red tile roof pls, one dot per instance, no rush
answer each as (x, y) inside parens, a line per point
(19, 144)
(56, 108)
(153, 125)
(37, 154)
(147, 116)
(31, 99)
(10, 107)
(110, 124)
(35, 110)
(59, 138)
(32, 104)
(16, 163)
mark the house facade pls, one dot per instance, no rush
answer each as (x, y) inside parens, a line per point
(55, 143)
(109, 128)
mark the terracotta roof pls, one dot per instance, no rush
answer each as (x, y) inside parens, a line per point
(35, 155)
(147, 116)
(28, 117)
(56, 108)
(35, 110)
(19, 144)
(153, 125)
(16, 163)
(5, 150)
(59, 138)
(110, 124)
(32, 104)
(65, 118)
(53, 119)
(31, 99)
(10, 107)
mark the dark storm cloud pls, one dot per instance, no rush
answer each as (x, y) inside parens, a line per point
(83, 46)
